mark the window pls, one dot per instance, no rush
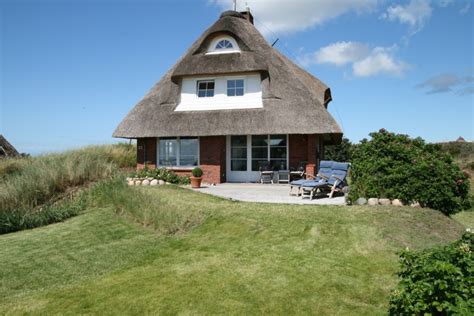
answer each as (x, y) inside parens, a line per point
(224, 44)
(181, 151)
(238, 153)
(235, 87)
(269, 151)
(205, 88)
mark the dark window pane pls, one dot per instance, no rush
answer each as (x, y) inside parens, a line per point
(202, 85)
(278, 152)
(238, 165)
(239, 83)
(239, 91)
(230, 83)
(277, 140)
(210, 93)
(259, 140)
(239, 153)
(260, 152)
(189, 147)
(188, 161)
(238, 140)
(230, 92)
(201, 93)
(210, 85)
(278, 164)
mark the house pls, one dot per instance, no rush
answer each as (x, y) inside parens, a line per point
(231, 105)
(6, 149)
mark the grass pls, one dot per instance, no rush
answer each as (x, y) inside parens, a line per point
(236, 258)
(29, 187)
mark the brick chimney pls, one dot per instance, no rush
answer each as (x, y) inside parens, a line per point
(247, 15)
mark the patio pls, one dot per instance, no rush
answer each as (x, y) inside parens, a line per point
(266, 193)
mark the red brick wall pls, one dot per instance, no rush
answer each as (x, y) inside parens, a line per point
(212, 158)
(146, 152)
(304, 148)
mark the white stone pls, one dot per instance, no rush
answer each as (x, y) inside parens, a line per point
(361, 201)
(138, 182)
(154, 182)
(397, 202)
(161, 182)
(373, 201)
(384, 201)
(416, 204)
(146, 182)
(131, 182)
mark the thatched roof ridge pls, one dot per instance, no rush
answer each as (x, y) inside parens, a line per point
(294, 102)
(7, 149)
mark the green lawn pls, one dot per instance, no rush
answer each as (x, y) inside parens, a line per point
(243, 258)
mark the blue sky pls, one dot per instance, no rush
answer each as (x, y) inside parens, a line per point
(70, 70)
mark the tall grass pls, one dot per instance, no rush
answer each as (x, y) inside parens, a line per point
(28, 193)
(142, 206)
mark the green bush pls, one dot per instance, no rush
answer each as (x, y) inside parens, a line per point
(438, 281)
(160, 174)
(341, 152)
(197, 172)
(396, 166)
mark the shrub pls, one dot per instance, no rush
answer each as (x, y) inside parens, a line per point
(395, 166)
(436, 281)
(160, 174)
(341, 152)
(197, 172)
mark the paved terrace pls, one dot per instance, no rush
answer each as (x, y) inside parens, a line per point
(267, 193)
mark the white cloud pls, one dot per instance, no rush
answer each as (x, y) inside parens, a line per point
(381, 60)
(365, 62)
(448, 82)
(339, 54)
(297, 15)
(415, 14)
(445, 3)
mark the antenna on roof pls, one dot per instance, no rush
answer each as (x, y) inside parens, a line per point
(235, 5)
(275, 42)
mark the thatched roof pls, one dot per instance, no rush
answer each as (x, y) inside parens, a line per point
(294, 102)
(6, 149)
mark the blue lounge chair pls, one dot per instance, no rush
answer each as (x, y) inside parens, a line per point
(325, 171)
(336, 182)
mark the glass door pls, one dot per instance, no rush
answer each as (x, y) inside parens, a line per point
(238, 153)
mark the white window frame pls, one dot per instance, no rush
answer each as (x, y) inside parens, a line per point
(212, 46)
(207, 81)
(235, 78)
(269, 149)
(178, 154)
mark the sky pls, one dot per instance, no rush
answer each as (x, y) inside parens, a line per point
(70, 70)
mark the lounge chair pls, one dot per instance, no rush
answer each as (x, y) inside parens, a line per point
(325, 171)
(335, 183)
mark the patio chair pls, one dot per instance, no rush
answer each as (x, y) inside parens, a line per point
(335, 183)
(266, 172)
(324, 172)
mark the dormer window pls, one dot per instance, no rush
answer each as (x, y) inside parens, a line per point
(223, 45)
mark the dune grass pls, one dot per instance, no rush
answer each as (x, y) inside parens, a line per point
(238, 258)
(30, 186)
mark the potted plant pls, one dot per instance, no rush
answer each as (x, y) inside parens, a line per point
(196, 178)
